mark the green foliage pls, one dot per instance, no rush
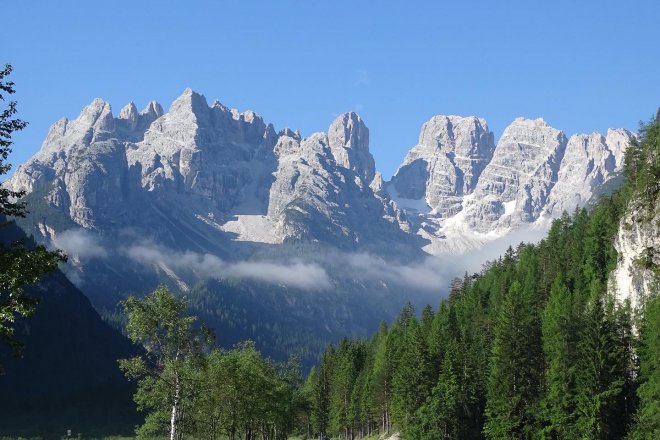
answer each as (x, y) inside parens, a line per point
(560, 338)
(167, 371)
(8, 125)
(514, 382)
(598, 385)
(20, 263)
(648, 415)
(242, 395)
(642, 163)
(411, 381)
(222, 394)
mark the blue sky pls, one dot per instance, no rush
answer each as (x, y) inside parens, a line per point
(581, 65)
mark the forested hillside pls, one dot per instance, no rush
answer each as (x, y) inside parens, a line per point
(536, 345)
(67, 377)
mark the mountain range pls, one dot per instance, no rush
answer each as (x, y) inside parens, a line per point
(261, 227)
(237, 179)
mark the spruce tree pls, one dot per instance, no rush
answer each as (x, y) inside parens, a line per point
(321, 393)
(560, 338)
(411, 382)
(513, 386)
(647, 419)
(439, 417)
(381, 380)
(599, 380)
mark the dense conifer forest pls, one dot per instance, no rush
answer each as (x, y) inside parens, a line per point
(533, 346)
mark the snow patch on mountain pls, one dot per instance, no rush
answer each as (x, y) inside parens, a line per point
(254, 228)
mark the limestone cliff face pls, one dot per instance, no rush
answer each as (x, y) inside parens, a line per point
(638, 247)
(321, 190)
(446, 163)
(216, 174)
(589, 162)
(458, 190)
(515, 186)
(209, 166)
(348, 139)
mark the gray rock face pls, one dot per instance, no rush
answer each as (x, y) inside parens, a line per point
(348, 139)
(100, 170)
(321, 190)
(458, 190)
(217, 175)
(638, 248)
(81, 168)
(207, 165)
(589, 161)
(446, 163)
(521, 174)
(201, 151)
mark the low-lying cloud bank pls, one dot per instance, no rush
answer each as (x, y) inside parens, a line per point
(312, 274)
(308, 276)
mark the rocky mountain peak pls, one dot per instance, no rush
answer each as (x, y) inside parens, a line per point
(453, 133)
(97, 116)
(129, 112)
(190, 104)
(290, 133)
(617, 140)
(132, 124)
(377, 185)
(515, 186)
(446, 163)
(527, 122)
(589, 161)
(153, 110)
(349, 131)
(93, 111)
(348, 139)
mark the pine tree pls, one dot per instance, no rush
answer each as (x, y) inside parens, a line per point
(411, 382)
(381, 379)
(599, 382)
(647, 419)
(560, 338)
(513, 386)
(347, 365)
(439, 417)
(321, 393)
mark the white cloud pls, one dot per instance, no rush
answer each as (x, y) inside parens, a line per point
(80, 244)
(431, 274)
(294, 274)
